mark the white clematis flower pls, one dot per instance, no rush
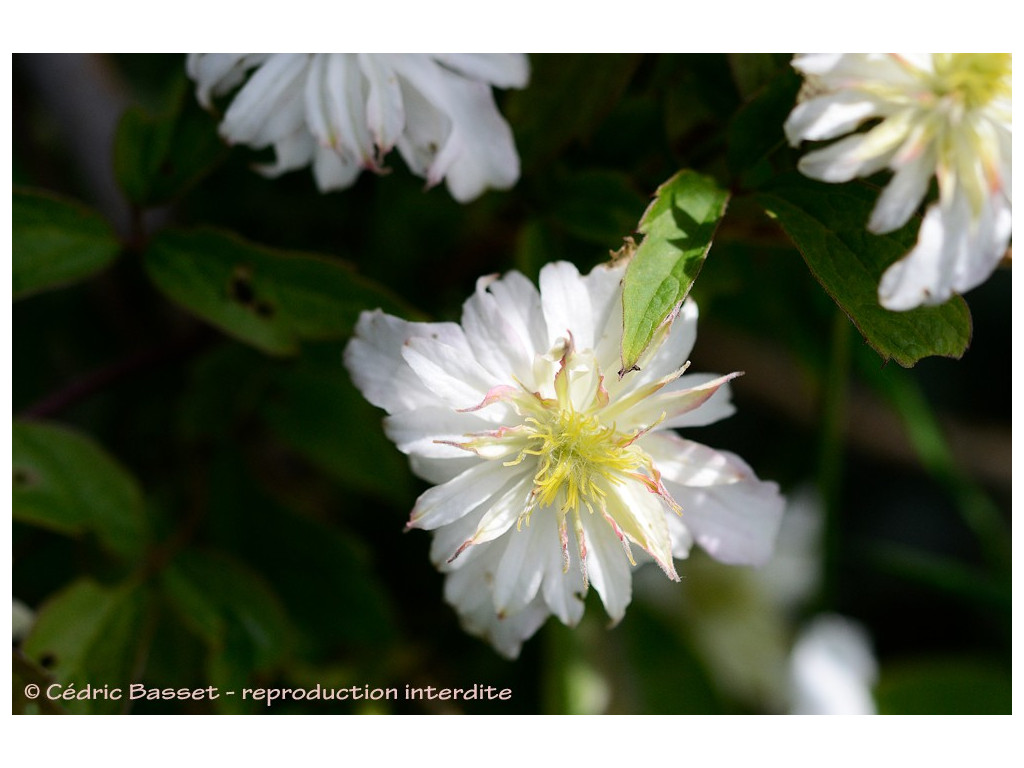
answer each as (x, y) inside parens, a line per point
(343, 112)
(943, 114)
(551, 471)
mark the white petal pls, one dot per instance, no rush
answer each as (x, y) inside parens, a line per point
(675, 404)
(737, 523)
(832, 669)
(859, 155)
(829, 116)
(291, 152)
(446, 503)
(519, 302)
(427, 431)
(270, 105)
(719, 406)
(504, 70)
(462, 540)
(953, 254)
(903, 194)
(466, 590)
(345, 106)
(451, 372)
(374, 360)
(496, 339)
(332, 172)
(607, 566)
(682, 538)
(521, 568)
(217, 73)
(385, 114)
(427, 126)
(688, 463)
(438, 471)
(477, 151)
(640, 514)
(566, 303)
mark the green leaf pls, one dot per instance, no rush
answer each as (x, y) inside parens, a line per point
(315, 408)
(827, 223)
(66, 482)
(56, 241)
(231, 609)
(268, 298)
(678, 227)
(158, 158)
(952, 686)
(89, 634)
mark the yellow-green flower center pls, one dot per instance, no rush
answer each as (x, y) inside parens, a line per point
(975, 79)
(578, 455)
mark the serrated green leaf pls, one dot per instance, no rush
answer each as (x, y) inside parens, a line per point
(56, 241)
(268, 298)
(66, 482)
(90, 634)
(678, 227)
(827, 223)
(950, 686)
(158, 158)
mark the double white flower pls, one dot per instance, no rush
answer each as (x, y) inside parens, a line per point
(550, 469)
(343, 112)
(943, 114)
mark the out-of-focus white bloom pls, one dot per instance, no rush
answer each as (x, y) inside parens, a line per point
(739, 620)
(943, 114)
(832, 669)
(343, 112)
(548, 466)
(21, 621)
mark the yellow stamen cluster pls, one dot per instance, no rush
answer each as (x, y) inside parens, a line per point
(578, 456)
(974, 79)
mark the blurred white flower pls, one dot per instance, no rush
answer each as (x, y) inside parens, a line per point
(832, 669)
(22, 620)
(943, 114)
(519, 418)
(343, 112)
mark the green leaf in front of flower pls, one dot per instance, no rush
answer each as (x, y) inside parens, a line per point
(56, 241)
(827, 224)
(66, 482)
(678, 228)
(265, 297)
(156, 158)
(96, 635)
